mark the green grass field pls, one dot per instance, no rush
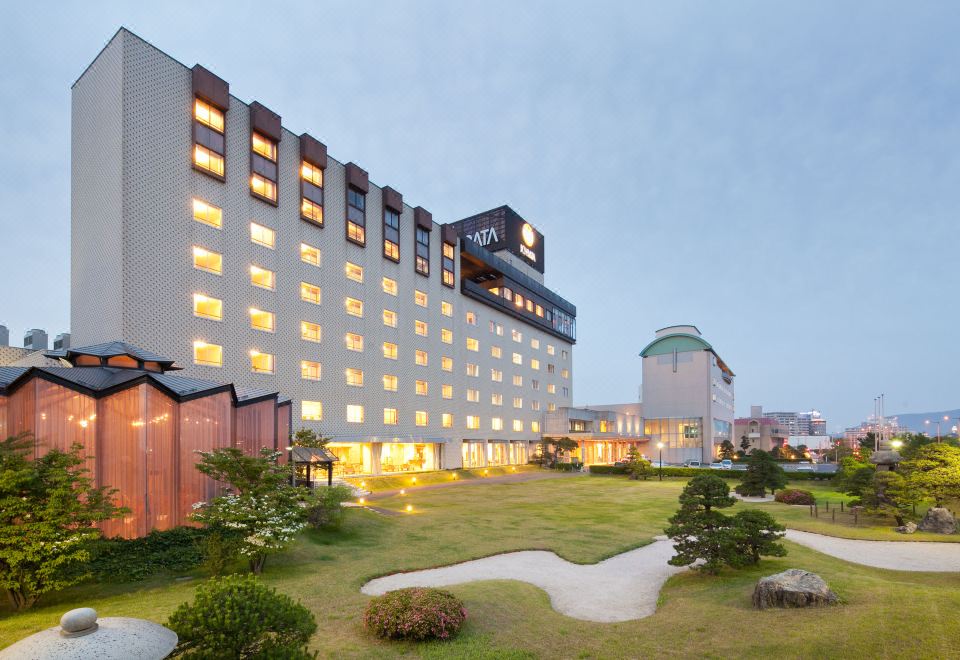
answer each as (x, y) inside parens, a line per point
(583, 519)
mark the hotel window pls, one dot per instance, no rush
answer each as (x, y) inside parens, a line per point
(354, 307)
(535, 344)
(517, 335)
(517, 358)
(207, 260)
(496, 352)
(420, 298)
(535, 384)
(535, 364)
(496, 424)
(207, 213)
(529, 305)
(446, 391)
(446, 308)
(354, 377)
(535, 405)
(354, 272)
(311, 411)
(262, 235)
(473, 344)
(518, 402)
(551, 350)
(447, 263)
(421, 388)
(535, 427)
(356, 216)
(423, 251)
(309, 370)
(311, 192)
(208, 138)
(499, 329)
(421, 358)
(261, 320)
(518, 301)
(446, 335)
(540, 311)
(389, 286)
(446, 420)
(309, 254)
(518, 381)
(389, 318)
(261, 363)
(473, 396)
(210, 355)
(389, 350)
(551, 388)
(473, 370)
(354, 414)
(551, 407)
(518, 425)
(420, 328)
(446, 363)
(390, 416)
(263, 278)
(310, 293)
(389, 383)
(473, 422)
(496, 399)
(391, 234)
(421, 418)
(309, 331)
(550, 368)
(471, 318)
(566, 391)
(207, 308)
(496, 375)
(263, 165)
(354, 342)
(565, 373)
(564, 354)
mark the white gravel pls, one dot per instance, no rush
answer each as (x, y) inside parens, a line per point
(895, 555)
(621, 588)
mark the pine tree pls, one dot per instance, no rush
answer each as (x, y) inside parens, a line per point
(698, 530)
(762, 473)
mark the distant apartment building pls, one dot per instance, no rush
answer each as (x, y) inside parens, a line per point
(800, 423)
(4, 336)
(204, 228)
(61, 341)
(35, 340)
(888, 429)
(604, 433)
(759, 431)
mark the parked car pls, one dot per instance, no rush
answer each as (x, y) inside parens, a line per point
(716, 466)
(725, 464)
(692, 464)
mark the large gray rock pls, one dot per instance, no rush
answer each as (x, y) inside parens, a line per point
(792, 588)
(909, 528)
(938, 521)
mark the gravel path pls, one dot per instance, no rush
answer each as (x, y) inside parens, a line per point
(621, 588)
(895, 555)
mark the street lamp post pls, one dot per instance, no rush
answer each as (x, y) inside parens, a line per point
(660, 447)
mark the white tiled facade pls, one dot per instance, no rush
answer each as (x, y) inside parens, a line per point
(133, 235)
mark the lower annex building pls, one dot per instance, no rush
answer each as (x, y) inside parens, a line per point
(206, 230)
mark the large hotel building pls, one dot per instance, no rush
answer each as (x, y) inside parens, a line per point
(205, 230)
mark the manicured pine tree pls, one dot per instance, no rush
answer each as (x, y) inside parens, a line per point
(698, 530)
(762, 473)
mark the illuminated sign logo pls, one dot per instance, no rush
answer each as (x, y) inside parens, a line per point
(484, 237)
(527, 233)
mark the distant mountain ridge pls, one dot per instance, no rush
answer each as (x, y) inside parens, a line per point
(915, 421)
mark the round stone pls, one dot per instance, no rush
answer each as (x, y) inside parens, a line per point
(79, 619)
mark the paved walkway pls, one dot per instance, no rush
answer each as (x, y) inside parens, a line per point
(894, 555)
(519, 477)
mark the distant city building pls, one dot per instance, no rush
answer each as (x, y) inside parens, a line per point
(888, 429)
(35, 340)
(801, 423)
(61, 341)
(759, 431)
(4, 336)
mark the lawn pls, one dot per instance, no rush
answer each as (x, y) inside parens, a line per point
(583, 519)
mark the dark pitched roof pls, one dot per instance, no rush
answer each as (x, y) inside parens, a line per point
(313, 455)
(183, 386)
(112, 349)
(95, 379)
(10, 374)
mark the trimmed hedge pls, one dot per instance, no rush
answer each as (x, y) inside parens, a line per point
(415, 614)
(176, 550)
(795, 496)
(692, 472)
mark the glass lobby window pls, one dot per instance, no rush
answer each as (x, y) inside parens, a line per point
(390, 383)
(263, 278)
(261, 363)
(473, 451)
(354, 307)
(423, 251)
(354, 342)
(207, 213)
(354, 272)
(391, 234)
(354, 377)
(309, 254)
(261, 320)
(311, 192)
(207, 307)
(309, 370)
(262, 235)
(311, 411)
(208, 260)
(210, 355)
(310, 293)
(354, 414)
(389, 350)
(389, 286)
(356, 216)
(408, 457)
(309, 331)
(498, 453)
(390, 416)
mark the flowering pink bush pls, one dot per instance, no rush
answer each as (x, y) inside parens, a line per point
(794, 496)
(415, 614)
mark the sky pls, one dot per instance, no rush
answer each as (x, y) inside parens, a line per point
(782, 175)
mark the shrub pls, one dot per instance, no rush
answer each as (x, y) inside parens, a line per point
(762, 473)
(240, 617)
(567, 467)
(415, 614)
(325, 506)
(221, 548)
(795, 496)
(174, 550)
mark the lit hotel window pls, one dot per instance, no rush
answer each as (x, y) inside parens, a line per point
(207, 213)
(354, 272)
(517, 335)
(309, 254)
(535, 427)
(446, 308)
(473, 344)
(206, 307)
(446, 391)
(210, 355)
(208, 115)
(204, 259)
(471, 318)
(421, 388)
(551, 407)
(389, 383)
(496, 423)
(263, 162)
(446, 420)
(208, 160)
(208, 138)
(420, 328)
(423, 251)
(309, 370)
(535, 384)
(311, 411)
(518, 381)
(446, 336)
(518, 301)
(263, 278)
(389, 318)
(356, 216)
(446, 363)
(496, 375)
(496, 352)
(260, 320)
(535, 405)
(517, 358)
(391, 234)
(354, 377)
(421, 358)
(311, 193)
(565, 373)
(448, 265)
(310, 293)
(518, 402)
(263, 187)
(535, 364)
(354, 342)
(309, 331)
(355, 414)
(473, 370)
(551, 350)
(551, 388)
(473, 396)
(421, 418)
(389, 350)
(354, 307)
(390, 416)
(261, 363)
(262, 235)
(473, 422)
(518, 425)
(389, 286)
(420, 298)
(496, 399)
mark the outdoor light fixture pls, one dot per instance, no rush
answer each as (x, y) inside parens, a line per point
(409, 508)
(362, 501)
(660, 447)
(896, 444)
(403, 491)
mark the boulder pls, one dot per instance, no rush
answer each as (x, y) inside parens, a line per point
(792, 588)
(909, 528)
(939, 521)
